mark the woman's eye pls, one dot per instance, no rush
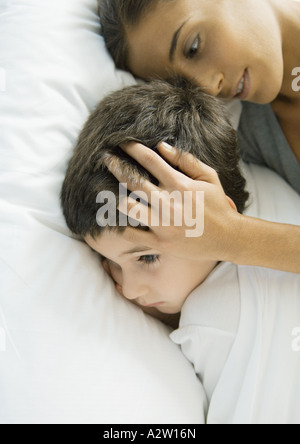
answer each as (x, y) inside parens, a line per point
(149, 259)
(194, 49)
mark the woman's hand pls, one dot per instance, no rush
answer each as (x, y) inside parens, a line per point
(227, 235)
(216, 219)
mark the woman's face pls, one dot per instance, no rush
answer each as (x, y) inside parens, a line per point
(232, 48)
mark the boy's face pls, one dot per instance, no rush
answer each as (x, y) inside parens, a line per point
(147, 277)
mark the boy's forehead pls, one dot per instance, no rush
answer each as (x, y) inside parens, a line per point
(113, 245)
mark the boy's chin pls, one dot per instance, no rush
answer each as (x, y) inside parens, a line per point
(170, 317)
(168, 311)
(161, 311)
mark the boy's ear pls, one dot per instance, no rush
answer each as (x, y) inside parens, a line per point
(232, 204)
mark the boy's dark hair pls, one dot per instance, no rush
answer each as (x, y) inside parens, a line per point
(115, 17)
(175, 112)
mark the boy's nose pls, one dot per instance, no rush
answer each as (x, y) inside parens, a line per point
(134, 290)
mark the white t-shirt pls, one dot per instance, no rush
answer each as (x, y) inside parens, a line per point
(237, 328)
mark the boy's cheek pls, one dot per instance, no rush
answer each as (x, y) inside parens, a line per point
(119, 289)
(107, 268)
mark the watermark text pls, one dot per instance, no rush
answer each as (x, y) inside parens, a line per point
(296, 81)
(162, 209)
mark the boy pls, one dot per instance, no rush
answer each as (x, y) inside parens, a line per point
(181, 115)
(210, 295)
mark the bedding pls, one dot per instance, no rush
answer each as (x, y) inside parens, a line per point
(240, 328)
(71, 350)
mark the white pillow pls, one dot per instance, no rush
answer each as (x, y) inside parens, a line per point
(71, 350)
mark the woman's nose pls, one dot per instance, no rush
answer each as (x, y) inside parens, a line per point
(217, 84)
(211, 82)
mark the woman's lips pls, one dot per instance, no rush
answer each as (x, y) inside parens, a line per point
(242, 90)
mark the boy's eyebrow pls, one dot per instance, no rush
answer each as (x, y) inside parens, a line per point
(175, 41)
(135, 250)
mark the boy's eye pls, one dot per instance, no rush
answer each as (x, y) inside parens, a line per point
(149, 259)
(193, 51)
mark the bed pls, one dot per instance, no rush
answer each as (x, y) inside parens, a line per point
(71, 351)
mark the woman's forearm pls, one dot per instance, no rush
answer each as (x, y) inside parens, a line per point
(266, 244)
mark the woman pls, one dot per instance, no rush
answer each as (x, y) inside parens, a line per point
(247, 50)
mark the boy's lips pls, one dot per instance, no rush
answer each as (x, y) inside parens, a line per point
(156, 304)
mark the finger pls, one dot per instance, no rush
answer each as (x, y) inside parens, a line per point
(189, 164)
(135, 182)
(137, 213)
(151, 161)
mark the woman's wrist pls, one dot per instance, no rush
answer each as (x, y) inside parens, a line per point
(234, 239)
(260, 243)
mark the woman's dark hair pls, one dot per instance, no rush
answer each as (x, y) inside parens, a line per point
(175, 112)
(115, 17)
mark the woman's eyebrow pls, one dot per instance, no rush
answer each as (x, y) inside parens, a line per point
(175, 41)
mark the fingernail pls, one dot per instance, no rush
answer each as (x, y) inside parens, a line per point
(168, 147)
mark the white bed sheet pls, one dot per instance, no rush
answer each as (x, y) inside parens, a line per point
(71, 351)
